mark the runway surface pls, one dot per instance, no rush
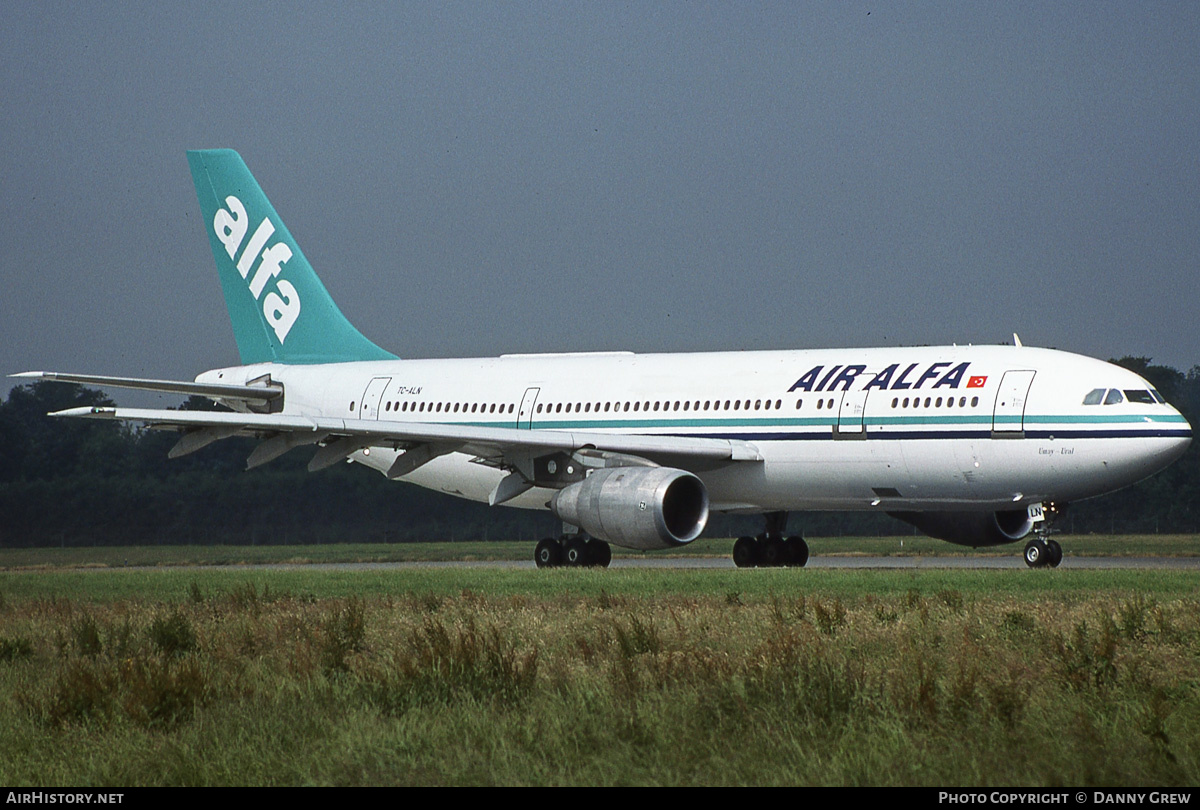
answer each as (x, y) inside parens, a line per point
(849, 561)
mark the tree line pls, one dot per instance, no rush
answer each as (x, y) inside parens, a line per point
(76, 482)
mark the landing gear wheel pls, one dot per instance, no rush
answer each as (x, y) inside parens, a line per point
(599, 553)
(548, 553)
(1053, 553)
(745, 552)
(1036, 553)
(773, 551)
(575, 551)
(797, 551)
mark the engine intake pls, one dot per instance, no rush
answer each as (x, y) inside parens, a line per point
(636, 507)
(971, 528)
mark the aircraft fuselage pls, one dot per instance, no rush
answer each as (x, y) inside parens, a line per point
(929, 428)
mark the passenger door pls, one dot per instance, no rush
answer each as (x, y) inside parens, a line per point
(371, 398)
(1008, 417)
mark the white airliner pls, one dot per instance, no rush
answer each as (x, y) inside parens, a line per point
(971, 444)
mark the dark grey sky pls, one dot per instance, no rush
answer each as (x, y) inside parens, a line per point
(479, 178)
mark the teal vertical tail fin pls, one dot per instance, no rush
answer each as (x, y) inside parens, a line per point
(281, 312)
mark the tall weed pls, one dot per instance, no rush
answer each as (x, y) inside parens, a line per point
(85, 632)
(162, 692)
(173, 635)
(15, 648)
(344, 635)
(444, 663)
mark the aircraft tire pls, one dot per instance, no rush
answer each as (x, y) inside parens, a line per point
(1036, 553)
(772, 552)
(797, 551)
(1054, 553)
(599, 553)
(548, 553)
(576, 551)
(745, 552)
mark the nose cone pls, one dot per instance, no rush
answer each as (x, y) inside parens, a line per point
(1171, 442)
(1161, 442)
(1182, 440)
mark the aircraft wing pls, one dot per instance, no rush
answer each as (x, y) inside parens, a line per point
(247, 393)
(497, 446)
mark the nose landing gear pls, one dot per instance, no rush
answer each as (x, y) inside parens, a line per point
(1041, 551)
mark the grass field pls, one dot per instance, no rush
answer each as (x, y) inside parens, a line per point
(626, 676)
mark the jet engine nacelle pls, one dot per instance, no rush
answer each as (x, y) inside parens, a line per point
(636, 507)
(971, 528)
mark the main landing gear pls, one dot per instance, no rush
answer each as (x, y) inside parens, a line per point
(771, 549)
(574, 550)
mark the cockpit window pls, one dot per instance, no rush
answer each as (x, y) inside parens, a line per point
(1114, 397)
(1137, 395)
(1094, 397)
(1158, 397)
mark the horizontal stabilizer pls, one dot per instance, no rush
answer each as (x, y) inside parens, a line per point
(248, 393)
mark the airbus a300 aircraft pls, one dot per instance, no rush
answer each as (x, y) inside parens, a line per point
(973, 445)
